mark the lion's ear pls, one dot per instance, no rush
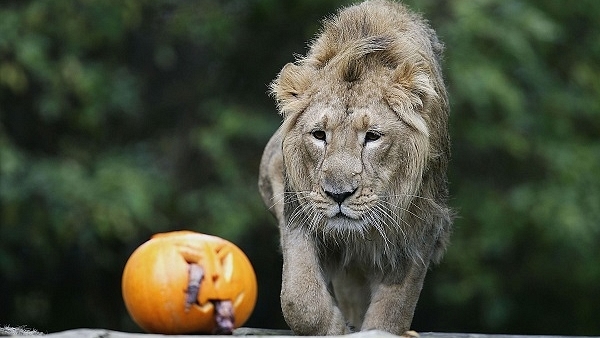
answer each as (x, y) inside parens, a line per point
(415, 78)
(288, 87)
(412, 89)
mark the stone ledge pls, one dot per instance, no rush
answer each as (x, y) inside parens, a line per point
(101, 333)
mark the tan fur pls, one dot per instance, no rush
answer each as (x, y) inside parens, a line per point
(356, 174)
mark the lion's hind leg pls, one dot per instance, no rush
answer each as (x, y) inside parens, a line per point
(353, 295)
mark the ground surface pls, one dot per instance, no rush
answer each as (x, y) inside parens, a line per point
(100, 333)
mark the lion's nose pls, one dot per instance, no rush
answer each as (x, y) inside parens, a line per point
(340, 197)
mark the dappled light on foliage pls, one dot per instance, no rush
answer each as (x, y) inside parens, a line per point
(120, 119)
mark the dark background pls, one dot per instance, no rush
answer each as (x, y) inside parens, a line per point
(123, 118)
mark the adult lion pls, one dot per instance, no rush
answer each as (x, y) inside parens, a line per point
(356, 174)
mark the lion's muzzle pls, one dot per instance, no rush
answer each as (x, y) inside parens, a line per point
(339, 197)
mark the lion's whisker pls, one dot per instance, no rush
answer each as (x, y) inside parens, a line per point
(282, 195)
(392, 215)
(378, 224)
(413, 196)
(405, 209)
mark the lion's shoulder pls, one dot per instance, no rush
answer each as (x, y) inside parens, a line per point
(271, 180)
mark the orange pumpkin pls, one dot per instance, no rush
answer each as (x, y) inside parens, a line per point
(161, 279)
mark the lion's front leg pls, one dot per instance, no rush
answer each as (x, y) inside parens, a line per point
(307, 306)
(393, 302)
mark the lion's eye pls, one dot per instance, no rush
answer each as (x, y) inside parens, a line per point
(319, 135)
(371, 136)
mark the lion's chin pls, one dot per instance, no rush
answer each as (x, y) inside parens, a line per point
(342, 222)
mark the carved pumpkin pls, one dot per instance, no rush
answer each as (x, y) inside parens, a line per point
(177, 282)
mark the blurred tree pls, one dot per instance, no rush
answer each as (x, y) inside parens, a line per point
(524, 79)
(119, 119)
(116, 122)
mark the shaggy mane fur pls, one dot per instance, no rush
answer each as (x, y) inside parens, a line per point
(361, 41)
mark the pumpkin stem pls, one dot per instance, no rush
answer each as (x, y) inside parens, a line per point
(195, 275)
(223, 316)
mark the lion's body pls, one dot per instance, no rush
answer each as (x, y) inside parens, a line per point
(356, 174)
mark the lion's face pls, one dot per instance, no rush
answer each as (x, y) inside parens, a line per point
(352, 157)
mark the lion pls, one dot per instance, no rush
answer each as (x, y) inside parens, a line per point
(356, 173)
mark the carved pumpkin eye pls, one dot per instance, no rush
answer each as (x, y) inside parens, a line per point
(371, 136)
(319, 135)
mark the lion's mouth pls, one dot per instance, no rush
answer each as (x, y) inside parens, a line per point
(342, 212)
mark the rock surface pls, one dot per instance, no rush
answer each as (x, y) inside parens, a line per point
(101, 333)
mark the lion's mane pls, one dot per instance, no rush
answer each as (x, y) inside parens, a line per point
(355, 45)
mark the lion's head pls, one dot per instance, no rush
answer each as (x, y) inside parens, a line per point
(365, 141)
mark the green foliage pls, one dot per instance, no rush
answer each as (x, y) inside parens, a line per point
(524, 82)
(120, 119)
